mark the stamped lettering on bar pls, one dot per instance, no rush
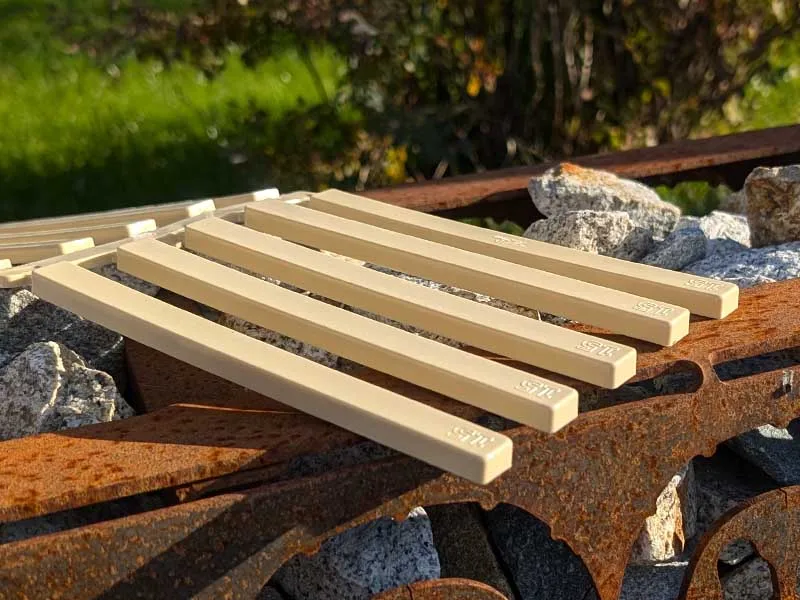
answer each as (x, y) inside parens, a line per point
(540, 389)
(509, 241)
(597, 348)
(704, 284)
(651, 308)
(471, 437)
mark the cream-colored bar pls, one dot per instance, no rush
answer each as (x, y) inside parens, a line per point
(583, 357)
(5, 264)
(700, 295)
(33, 251)
(162, 214)
(494, 387)
(105, 254)
(619, 312)
(416, 429)
(101, 234)
(265, 194)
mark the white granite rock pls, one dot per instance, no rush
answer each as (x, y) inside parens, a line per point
(364, 561)
(476, 297)
(752, 266)
(26, 319)
(319, 355)
(567, 187)
(611, 233)
(48, 387)
(773, 205)
(719, 225)
(666, 532)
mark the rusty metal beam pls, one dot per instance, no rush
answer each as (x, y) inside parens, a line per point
(592, 483)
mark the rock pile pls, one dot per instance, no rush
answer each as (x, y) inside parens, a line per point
(59, 371)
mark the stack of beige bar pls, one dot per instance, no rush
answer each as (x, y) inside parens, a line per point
(276, 235)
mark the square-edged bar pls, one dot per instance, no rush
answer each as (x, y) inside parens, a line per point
(700, 295)
(416, 429)
(21, 253)
(557, 349)
(610, 309)
(540, 403)
(101, 234)
(162, 214)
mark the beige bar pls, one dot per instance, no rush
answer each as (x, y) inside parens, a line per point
(25, 253)
(265, 194)
(5, 264)
(583, 357)
(105, 254)
(494, 387)
(700, 295)
(163, 214)
(445, 441)
(101, 234)
(610, 309)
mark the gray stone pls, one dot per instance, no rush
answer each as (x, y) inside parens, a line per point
(608, 233)
(111, 272)
(463, 546)
(774, 451)
(567, 187)
(48, 387)
(284, 342)
(26, 319)
(666, 533)
(719, 225)
(364, 561)
(753, 266)
(723, 482)
(681, 247)
(660, 581)
(476, 297)
(270, 593)
(540, 566)
(736, 203)
(773, 205)
(751, 581)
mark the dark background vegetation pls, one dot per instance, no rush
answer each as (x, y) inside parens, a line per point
(108, 103)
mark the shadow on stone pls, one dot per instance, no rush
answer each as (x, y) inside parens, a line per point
(541, 568)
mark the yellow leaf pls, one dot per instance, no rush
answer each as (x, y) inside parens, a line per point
(474, 85)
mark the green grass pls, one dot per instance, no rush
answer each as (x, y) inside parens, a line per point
(79, 135)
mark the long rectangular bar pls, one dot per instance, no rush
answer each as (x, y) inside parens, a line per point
(492, 386)
(578, 355)
(700, 295)
(619, 312)
(445, 441)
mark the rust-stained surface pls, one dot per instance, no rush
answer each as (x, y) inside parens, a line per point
(729, 158)
(443, 589)
(771, 522)
(593, 483)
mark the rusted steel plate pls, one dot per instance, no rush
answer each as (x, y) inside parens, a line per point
(593, 483)
(443, 589)
(766, 145)
(771, 522)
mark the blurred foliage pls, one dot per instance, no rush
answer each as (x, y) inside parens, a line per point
(122, 102)
(696, 198)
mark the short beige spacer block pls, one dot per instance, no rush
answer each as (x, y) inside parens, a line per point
(24, 253)
(101, 234)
